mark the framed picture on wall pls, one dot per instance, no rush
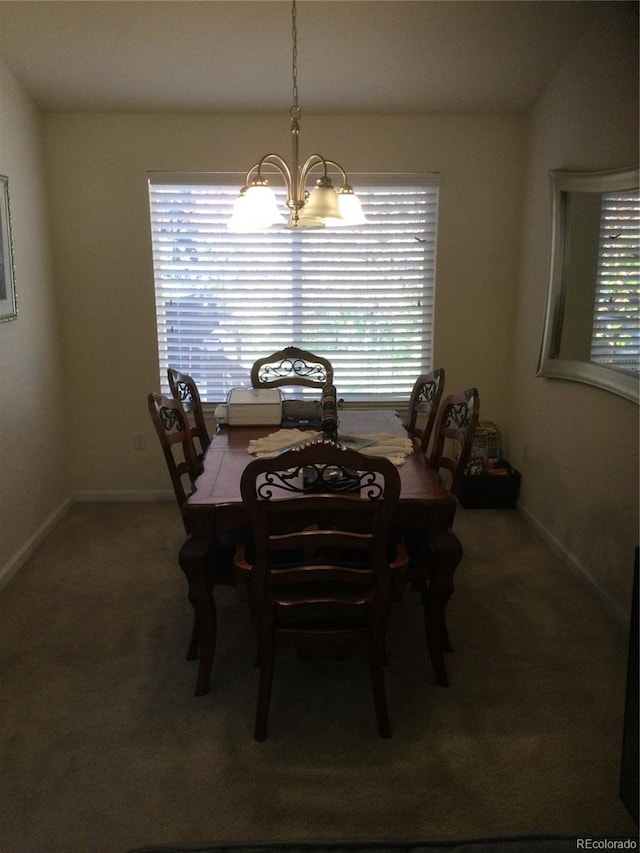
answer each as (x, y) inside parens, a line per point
(8, 306)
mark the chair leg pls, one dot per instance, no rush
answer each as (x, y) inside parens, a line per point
(446, 642)
(440, 590)
(436, 635)
(376, 671)
(207, 650)
(436, 632)
(194, 642)
(380, 700)
(264, 689)
(435, 647)
(192, 557)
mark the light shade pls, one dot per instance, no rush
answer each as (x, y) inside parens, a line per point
(322, 204)
(350, 209)
(254, 209)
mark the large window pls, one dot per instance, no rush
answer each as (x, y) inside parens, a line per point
(363, 297)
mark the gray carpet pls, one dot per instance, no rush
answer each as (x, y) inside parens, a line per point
(104, 748)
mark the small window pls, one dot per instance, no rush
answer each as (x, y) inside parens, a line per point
(363, 297)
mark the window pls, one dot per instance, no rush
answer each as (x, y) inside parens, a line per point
(363, 297)
(615, 339)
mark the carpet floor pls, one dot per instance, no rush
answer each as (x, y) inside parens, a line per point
(104, 747)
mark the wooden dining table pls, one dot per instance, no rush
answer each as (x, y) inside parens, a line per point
(216, 507)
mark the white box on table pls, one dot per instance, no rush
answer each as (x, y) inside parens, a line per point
(254, 407)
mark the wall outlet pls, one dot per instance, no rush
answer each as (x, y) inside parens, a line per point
(139, 441)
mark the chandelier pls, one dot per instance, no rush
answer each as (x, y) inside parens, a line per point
(256, 206)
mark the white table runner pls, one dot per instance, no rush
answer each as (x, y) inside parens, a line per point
(395, 448)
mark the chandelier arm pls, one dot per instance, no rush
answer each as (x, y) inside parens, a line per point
(247, 177)
(278, 163)
(339, 168)
(318, 160)
(310, 163)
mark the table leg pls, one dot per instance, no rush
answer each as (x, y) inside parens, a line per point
(192, 559)
(440, 590)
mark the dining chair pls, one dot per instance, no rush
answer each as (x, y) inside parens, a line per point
(456, 425)
(423, 406)
(184, 388)
(321, 575)
(174, 432)
(291, 366)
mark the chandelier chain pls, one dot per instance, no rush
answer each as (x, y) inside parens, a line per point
(294, 58)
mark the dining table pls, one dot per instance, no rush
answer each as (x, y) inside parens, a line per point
(215, 507)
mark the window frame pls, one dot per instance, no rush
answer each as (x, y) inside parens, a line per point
(430, 181)
(552, 362)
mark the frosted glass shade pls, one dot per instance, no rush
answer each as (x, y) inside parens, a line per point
(350, 209)
(255, 209)
(322, 203)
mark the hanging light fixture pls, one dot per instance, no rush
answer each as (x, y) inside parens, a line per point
(256, 206)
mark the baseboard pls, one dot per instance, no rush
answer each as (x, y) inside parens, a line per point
(131, 495)
(575, 566)
(22, 554)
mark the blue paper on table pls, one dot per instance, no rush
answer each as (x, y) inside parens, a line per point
(355, 443)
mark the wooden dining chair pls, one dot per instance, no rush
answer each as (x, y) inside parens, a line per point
(174, 432)
(320, 571)
(423, 406)
(291, 366)
(456, 425)
(184, 388)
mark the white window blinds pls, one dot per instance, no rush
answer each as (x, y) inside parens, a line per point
(615, 339)
(362, 297)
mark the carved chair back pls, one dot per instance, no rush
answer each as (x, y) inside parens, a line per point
(172, 427)
(184, 388)
(457, 423)
(423, 406)
(291, 366)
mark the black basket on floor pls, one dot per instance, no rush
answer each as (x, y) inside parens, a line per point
(491, 491)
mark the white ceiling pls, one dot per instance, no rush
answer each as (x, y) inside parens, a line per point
(364, 56)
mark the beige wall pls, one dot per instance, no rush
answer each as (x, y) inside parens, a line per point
(577, 446)
(35, 477)
(97, 175)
